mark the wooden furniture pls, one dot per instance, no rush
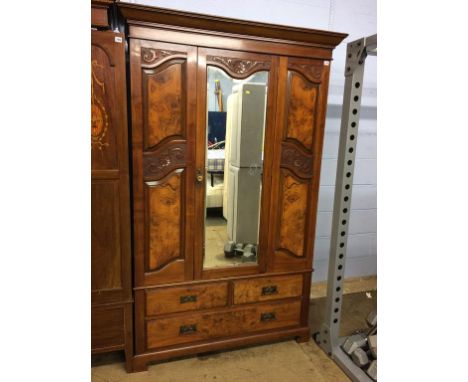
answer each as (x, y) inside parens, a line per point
(111, 290)
(181, 307)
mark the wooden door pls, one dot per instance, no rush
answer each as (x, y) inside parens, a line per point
(300, 121)
(110, 201)
(163, 91)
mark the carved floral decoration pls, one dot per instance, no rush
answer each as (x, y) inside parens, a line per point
(237, 65)
(298, 162)
(150, 56)
(159, 165)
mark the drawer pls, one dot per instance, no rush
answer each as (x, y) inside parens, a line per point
(199, 326)
(263, 289)
(185, 298)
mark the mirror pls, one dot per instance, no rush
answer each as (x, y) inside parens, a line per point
(235, 128)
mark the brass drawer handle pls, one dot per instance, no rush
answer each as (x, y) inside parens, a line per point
(270, 316)
(269, 290)
(189, 298)
(187, 329)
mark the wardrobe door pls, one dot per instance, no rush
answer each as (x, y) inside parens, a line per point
(110, 201)
(163, 138)
(111, 293)
(300, 121)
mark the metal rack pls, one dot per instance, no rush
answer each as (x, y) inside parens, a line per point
(328, 337)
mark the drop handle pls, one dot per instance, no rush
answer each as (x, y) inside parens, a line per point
(199, 176)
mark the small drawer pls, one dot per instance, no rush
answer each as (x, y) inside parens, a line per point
(185, 298)
(199, 326)
(264, 289)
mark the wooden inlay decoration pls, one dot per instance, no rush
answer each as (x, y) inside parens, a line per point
(151, 57)
(99, 116)
(301, 111)
(159, 163)
(165, 104)
(164, 220)
(296, 160)
(293, 210)
(238, 66)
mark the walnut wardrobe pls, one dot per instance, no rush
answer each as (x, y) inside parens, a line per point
(225, 132)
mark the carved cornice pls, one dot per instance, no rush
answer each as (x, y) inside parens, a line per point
(151, 57)
(237, 66)
(311, 72)
(157, 164)
(294, 159)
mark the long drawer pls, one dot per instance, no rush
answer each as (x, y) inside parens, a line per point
(267, 288)
(186, 298)
(199, 326)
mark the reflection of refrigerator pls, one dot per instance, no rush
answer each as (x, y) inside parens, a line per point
(243, 162)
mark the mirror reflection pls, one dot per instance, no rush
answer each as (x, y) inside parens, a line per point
(234, 159)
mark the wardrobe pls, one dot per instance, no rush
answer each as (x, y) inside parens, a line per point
(204, 279)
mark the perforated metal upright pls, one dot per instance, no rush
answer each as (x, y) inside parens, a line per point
(328, 337)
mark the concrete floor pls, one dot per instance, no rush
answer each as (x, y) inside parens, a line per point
(285, 361)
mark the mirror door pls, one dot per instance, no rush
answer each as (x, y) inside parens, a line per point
(235, 101)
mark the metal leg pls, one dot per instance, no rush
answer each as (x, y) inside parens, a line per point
(328, 337)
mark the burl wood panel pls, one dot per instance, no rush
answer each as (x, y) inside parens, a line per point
(105, 236)
(104, 123)
(165, 103)
(270, 288)
(169, 331)
(186, 298)
(164, 220)
(293, 210)
(107, 327)
(301, 109)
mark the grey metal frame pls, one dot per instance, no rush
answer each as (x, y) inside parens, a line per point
(328, 337)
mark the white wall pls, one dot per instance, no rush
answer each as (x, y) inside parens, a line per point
(358, 18)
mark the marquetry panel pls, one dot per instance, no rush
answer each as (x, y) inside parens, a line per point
(301, 109)
(105, 237)
(164, 221)
(293, 210)
(104, 150)
(164, 100)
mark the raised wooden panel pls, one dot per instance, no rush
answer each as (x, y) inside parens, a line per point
(164, 220)
(106, 267)
(293, 210)
(185, 298)
(267, 288)
(164, 101)
(107, 328)
(200, 326)
(301, 109)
